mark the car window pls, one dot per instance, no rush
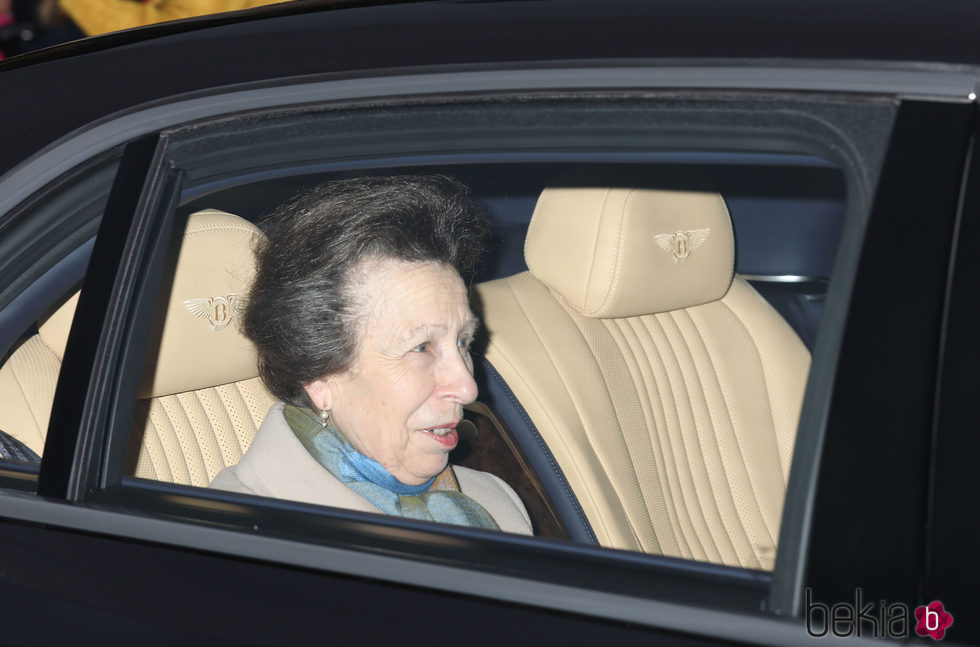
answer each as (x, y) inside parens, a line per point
(791, 192)
(47, 245)
(788, 206)
(787, 243)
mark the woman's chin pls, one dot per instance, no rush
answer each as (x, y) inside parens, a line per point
(428, 466)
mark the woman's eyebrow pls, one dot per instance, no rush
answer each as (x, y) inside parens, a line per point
(469, 327)
(412, 335)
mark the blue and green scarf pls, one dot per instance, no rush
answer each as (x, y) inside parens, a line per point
(438, 499)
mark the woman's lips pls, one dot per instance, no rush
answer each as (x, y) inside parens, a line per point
(445, 435)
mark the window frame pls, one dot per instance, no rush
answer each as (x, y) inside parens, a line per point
(46, 243)
(950, 531)
(879, 424)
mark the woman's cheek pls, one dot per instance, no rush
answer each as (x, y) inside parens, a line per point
(413, 381)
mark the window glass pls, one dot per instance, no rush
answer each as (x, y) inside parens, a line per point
(651, 297)
(47, 244)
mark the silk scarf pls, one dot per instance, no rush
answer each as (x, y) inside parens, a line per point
(438, 499)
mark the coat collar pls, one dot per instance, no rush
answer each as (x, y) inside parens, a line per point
(276, 451)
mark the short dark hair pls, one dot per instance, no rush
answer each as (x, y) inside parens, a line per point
(302, 313)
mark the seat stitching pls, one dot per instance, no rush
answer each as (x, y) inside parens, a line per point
(37, 427)
(236, 412)
(766, 380)
(595, 247)
(48, 346)
(682, 455)
(179, 437)
(704, 438)
(683, 535)
(219, 230)
(741, 450)
(603, 458)
(617, 330)
(693, 450)
(224, 397)
(240, 388)
(613, 282)
(193, 448)
(546, 452)
(198, 436)
(248, 396)
(172, 461)
(681, 524)
(563, 309)
(150, 432)
(571, 494)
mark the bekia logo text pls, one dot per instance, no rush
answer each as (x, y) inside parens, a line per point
(881, 620)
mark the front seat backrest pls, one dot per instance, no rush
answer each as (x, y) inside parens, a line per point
(202, 401)
(201, 398)
(667, 391)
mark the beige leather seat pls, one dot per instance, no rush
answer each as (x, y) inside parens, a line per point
(667, 391)
(201, 399)
(29, 376)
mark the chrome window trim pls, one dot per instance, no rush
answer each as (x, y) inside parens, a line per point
(784, 278)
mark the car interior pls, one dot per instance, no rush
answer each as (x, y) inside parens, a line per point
(631, 401)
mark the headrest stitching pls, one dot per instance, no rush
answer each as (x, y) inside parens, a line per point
(218, 230)
(534, 221)
(614, 279)
(595, 245)
(724, 206)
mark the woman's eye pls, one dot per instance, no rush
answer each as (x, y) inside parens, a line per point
(421, 348)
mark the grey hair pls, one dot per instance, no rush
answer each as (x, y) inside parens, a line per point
(302, 312)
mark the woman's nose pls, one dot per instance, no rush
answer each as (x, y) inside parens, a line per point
(458, 379)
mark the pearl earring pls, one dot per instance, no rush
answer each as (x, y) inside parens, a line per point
(324, 416)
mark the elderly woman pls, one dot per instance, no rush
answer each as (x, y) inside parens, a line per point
(363, 328)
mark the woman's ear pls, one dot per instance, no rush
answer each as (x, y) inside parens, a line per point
(320, 393)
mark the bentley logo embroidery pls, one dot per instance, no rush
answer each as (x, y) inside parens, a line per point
(680, 244)
(219, 311)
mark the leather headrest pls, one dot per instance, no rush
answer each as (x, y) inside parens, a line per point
(200, 342)
(615, 252)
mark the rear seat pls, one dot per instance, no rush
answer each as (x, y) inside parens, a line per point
(202, 402)
(664, 393)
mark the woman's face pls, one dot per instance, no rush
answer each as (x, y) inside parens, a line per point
(404, 393)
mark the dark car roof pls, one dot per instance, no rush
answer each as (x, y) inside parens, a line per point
(56, 91)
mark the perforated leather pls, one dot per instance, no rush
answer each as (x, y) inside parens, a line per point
(29, 376)
(675, 430)
(189, 437)
(27, 382)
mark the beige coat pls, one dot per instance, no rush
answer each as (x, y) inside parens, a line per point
(277, 465)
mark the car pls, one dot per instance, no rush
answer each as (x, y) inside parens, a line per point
(838, 140)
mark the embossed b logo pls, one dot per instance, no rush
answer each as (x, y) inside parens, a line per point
(219, 311)
(681, 243)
